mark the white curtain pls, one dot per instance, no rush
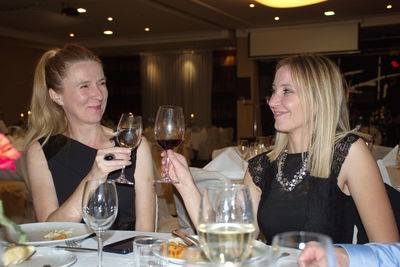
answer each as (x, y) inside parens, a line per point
(183, 79)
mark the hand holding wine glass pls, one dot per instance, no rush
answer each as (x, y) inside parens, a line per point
(169, 130)
(129, 134)
(99, 208)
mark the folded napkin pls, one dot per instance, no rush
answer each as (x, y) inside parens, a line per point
(391, 158)
(228, 163)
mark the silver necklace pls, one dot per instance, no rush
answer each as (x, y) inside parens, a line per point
(289, 185)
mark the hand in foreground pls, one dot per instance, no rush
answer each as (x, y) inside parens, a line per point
(313, 255)
(177, 168)
(110, 159)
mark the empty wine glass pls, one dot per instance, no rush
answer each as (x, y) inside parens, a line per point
(169, 130)
(99, 208)
(226, 224)
(243, 146)
(293, 243)
(129, 134)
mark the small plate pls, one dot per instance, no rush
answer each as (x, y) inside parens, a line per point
(35, 232)
(261, 249)
(45, 256)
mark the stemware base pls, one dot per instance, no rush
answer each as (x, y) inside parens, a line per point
(165, 181)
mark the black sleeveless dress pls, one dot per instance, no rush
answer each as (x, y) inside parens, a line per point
(70, 161)
(315, 204)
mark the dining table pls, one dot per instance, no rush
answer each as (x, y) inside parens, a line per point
(89, 258)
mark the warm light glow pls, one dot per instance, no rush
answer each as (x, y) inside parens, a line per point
(72, 34)
(288, 3)
(81, 10)
(277, 18)
(389, 6)
(147, 29)
(108, 32)
(329, 13)
(29, 112)
(252, 5)
(22, 115)
(110, 18)
(192, 115)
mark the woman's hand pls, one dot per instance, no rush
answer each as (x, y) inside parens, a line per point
(108, 160)
(177, 168)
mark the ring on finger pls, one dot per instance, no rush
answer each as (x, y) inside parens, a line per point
(109, 156)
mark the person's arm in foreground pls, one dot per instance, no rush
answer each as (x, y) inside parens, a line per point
(372, 254)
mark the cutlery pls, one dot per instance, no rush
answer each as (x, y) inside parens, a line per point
(187, 239)
(77, 248)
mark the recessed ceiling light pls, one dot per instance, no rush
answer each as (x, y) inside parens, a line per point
(110, 18)
(147, 29)
(72, 34)
(108, 32)
(81, 10)
(389, 6)
(329, 13)
(277, 18)
(252, 5)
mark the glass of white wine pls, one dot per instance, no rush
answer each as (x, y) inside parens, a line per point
(226, 224)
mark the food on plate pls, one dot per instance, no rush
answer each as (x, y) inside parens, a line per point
(57, 234)
(176, 249)
(16, 254)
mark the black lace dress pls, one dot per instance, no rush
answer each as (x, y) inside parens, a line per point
(315, 204)
(70, 161)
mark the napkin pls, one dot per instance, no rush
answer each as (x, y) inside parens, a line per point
(228, 163)
(391, 158)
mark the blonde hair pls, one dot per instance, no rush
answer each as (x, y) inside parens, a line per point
(47, 117)
(323, 97)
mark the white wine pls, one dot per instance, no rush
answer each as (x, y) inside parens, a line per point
(129, 138)
(227, 242)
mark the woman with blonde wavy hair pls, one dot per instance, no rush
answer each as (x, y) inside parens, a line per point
(67, 145)
(318, 168)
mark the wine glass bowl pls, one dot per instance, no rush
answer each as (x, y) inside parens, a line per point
(129, 134)
(99, 208)
(226, 224)
(169, 131)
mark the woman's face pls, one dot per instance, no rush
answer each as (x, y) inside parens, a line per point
(285, 103)
(84, 94)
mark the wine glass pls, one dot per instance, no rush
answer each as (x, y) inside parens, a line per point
(169, 130)
(297, 242)
(129, 134)
(226, 224)
(99, 208)
(243, 147)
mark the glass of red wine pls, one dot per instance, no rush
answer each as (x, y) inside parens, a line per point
(169, 129)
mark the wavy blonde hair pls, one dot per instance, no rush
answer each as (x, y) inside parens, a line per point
(323, 96)
(48, 118)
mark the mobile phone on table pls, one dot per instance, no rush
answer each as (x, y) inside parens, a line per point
(121, 247)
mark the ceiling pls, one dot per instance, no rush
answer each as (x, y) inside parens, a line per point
(174, 24)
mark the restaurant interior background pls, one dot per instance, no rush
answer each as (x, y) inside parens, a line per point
(231, 48)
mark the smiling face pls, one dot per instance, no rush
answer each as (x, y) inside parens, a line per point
(285, 103)
(84, 93)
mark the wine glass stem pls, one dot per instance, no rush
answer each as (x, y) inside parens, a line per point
(100, 248)
(166, 176)
(123, 172)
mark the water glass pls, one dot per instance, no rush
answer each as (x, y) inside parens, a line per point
(150, 251)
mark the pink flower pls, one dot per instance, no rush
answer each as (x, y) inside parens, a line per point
(8, 154)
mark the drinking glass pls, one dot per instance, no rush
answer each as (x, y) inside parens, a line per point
(243, 146)
(226, 224)
(169, 130)
(294, 243)
(129, 134)
(99, 208)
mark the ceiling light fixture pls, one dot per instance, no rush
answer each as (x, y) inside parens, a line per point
(72, 34)
(110, 18)
(81, 10)
(147, 29)
(252, 5)
(288, 3)
(389, 6)
(329, 13)
(277, 18)
(108, 32)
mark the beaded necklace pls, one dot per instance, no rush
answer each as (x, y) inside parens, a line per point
(289, 185)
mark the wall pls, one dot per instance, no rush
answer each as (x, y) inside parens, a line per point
(17, 68)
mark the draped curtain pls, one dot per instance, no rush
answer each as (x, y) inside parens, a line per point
(183, 79)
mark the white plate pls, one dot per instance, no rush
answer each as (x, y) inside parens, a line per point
(258, 244)
(50, 256)
(35, 232)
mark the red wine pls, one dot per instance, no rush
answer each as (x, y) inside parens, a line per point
(169, 143)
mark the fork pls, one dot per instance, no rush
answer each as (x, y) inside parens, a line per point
(73, 243)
